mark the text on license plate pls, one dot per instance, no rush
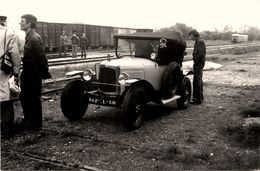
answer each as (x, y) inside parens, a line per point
(102, 101)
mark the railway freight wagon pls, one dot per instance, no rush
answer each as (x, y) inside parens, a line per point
(93, 35)
(98, 36)
(42, 30)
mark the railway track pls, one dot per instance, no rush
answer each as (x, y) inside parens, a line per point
(67, 61)
(49, 160)
(229, 46)
(59, 62)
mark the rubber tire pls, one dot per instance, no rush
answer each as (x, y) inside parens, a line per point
(185, 92)
(132, 118)
(170, 79)
(74, 100)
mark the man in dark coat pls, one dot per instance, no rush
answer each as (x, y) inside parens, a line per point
(199, 55)
(35, 68)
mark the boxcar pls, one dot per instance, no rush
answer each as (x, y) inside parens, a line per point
(93, 34)
(42, 29)
(69, 28)
(106, 34)
(98, 36)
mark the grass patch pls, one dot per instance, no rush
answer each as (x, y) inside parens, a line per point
(190, 139)
(29, 141)
(244, 50)
(69, 134)
(172, 153)
(245, 136)
(237, 50)
(233, 159)
(47, 166)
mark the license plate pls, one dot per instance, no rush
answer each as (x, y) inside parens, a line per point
(101, 101)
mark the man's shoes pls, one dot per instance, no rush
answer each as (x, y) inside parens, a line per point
(34, 128)
(21, 124)
(7, 134)
(195, 101)
(24, 125)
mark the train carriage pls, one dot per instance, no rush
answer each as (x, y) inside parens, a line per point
(98, 36)
(237, 38)
(42, 30)
(106, 34)
(92, 32)
(51, 36)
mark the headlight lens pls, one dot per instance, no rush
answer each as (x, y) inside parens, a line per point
(122, 78)
(88, 74)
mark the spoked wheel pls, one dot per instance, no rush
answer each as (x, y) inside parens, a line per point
(185, 92)
(134, 108)
(74, 100)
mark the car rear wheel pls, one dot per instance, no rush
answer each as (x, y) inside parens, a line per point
(185, 92)
(134, 108)
(74, 100)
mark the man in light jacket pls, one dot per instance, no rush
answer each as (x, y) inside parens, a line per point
(8, 42)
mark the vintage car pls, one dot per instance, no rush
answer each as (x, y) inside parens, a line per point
(147, 69)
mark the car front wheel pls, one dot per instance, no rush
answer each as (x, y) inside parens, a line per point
(74, 100)
(134, 108)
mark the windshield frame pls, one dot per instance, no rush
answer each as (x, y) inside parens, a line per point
(155, 49)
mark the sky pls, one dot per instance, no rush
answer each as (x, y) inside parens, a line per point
(154, 14)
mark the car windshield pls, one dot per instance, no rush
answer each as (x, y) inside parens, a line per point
(137, 48)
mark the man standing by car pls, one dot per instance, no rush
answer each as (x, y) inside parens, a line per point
(199, 54)
(35, 68)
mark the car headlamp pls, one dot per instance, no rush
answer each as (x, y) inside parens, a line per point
(122, 78)
(88, 74)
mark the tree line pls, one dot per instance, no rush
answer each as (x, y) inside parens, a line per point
(252, 32)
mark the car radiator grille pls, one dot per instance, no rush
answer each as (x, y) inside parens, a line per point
(108, 79)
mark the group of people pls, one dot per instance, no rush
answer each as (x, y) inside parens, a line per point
(75, 41)
(35, 68)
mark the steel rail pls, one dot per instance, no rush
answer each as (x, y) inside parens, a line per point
(100, 58)
(52, 161)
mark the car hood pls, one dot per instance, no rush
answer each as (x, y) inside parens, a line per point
(128, 62)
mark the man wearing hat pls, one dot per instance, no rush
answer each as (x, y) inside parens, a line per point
(8, 43)
(199, 55)
(35, 68)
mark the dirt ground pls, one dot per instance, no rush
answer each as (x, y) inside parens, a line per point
(206, 136)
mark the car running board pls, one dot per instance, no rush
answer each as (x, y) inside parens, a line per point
(171, 99)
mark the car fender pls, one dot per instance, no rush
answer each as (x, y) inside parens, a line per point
(74, 73)
(150, 91)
